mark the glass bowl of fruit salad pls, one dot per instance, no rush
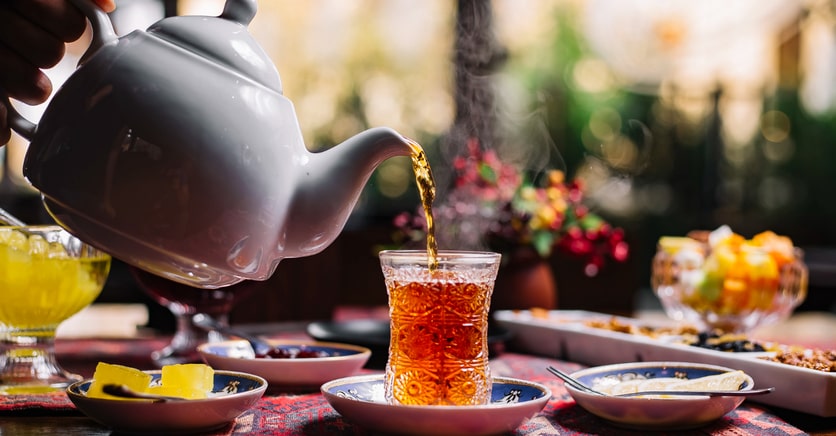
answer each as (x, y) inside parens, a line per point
(720, 280)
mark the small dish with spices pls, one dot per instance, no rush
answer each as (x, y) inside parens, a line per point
(290, 365)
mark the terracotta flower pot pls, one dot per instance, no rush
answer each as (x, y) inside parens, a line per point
(525, 281)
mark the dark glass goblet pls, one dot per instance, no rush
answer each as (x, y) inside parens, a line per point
(184, 302)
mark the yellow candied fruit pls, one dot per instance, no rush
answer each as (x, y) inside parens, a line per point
(189, 380)
(107, 373)
(673, 244)
(726, 257)
(760, 264)
(779, 247)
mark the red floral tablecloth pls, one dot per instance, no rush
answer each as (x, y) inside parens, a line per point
(310, 414)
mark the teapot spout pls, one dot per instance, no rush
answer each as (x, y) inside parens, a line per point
(331, 183)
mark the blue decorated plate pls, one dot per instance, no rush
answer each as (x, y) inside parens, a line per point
(233, 393)
(656, 412)
(361, 400)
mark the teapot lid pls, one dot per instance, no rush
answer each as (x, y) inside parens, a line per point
(223, 39)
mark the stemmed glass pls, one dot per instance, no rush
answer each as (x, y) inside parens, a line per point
(750, 292)
(185, 302)
(47, 275)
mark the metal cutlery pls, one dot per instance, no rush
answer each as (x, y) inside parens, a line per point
(569, 380)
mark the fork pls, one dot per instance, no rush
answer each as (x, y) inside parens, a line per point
(582, 387)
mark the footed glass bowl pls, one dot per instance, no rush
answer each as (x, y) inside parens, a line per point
(731, 290)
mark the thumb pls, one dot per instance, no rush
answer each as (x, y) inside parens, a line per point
(106, 5)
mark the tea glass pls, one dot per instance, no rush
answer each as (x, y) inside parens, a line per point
(736, 299)
(438, 349)
(185, 302)
(47, 275)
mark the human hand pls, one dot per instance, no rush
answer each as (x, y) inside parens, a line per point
(33, 34)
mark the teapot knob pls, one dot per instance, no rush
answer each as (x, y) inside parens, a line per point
(240, 11)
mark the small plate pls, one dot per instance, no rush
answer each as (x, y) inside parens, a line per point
(654, 413)
(300, 372)
(188, 416)
(360, 400)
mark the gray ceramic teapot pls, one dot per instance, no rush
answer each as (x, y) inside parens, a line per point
(175, 151)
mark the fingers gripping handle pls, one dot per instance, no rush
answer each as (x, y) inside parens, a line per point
(103, 33)
(22, 126)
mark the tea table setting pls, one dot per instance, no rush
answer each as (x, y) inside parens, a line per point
(199, 221)
(309, 412)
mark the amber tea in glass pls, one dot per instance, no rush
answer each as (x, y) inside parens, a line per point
(438, 350)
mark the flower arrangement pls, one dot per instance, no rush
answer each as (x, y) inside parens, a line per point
(494, 205)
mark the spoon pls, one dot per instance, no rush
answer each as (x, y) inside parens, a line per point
(10, 220)
(569, 380)
(700, 393)
(123, 391)
(260, 346)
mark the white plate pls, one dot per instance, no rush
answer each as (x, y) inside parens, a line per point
(654, 413)
(189, 416)
(360, 400)
(565, 335)
(300, 372)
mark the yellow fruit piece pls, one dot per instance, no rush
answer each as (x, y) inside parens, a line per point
(107, 373)
(780, 248)
(759, 264)
(726, 257)
(189, 380)
(673, 244)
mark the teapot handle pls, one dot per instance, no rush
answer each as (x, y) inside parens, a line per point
(103, 33)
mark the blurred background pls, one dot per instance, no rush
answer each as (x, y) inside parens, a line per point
(677, 115)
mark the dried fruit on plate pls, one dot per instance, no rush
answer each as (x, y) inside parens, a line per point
(189, 381)
(107, 373)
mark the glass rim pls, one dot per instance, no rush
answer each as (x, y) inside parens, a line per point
(798, 251)
(442, 255)
(52, 231)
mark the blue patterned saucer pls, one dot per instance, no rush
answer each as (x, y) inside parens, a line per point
(361, 400)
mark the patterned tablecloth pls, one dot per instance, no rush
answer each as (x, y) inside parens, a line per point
(308, 413)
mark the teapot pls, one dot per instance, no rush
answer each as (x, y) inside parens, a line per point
(175, 150)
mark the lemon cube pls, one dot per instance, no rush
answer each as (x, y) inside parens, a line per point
(107, 373)
(188, 380)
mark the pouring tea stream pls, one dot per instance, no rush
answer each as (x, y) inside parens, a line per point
(175, 150)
